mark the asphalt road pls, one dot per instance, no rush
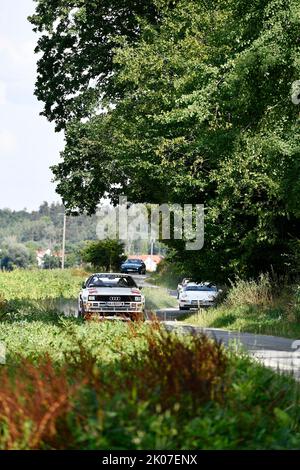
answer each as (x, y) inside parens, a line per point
(275, 352)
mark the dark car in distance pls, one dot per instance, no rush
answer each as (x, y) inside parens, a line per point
(133, 266)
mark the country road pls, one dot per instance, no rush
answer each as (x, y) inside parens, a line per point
(274, 352)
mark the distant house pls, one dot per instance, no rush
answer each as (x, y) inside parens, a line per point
(40, 254)
(151, 261)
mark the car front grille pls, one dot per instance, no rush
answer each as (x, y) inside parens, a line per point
(124, 307)
(112, 298)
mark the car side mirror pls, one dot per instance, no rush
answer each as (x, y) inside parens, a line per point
(140, 287)
(83, 285)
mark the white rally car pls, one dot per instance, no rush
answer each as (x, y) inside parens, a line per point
(108, 295)
(195, 295)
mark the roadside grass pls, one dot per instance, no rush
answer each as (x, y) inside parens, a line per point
(158, 298)
(254, 307)
(70, 384)
(274, 321)
(102, 385)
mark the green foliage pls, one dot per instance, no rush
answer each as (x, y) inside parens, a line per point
(120, 387)
(51, 262)
(77, 41)
(70, 384)
(201, 114)
(42, 229)
(15, 255)
(38, 284)
(158, 298)
(105, 254)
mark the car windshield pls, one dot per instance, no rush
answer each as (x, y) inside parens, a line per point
(201, 288)
(111, 281)
(133, 261)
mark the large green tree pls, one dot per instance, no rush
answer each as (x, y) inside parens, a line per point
(199, 110)
(104, 254)
(76, 42)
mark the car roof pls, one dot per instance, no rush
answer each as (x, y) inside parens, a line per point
(110, 274)
(134, 259)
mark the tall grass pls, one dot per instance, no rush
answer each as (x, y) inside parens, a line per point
(251, 292)
(255, 306)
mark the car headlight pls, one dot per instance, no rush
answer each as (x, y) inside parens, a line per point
(138, 299)
(92, 297)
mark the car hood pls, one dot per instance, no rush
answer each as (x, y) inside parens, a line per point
(113, 291)
(200, 295)
(135, 265)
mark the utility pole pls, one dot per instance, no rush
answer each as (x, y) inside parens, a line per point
(64, 243)
(152, 247)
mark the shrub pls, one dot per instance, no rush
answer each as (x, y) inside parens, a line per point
(253, 292)
(157, 391)
(31, 402)
(174, 368)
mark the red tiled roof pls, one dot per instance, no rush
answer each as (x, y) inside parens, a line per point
(156, 258)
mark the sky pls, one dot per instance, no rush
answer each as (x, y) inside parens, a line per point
(28, 143)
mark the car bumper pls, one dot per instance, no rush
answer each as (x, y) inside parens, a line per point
(131, 270)
(104, 309)
(196, 304)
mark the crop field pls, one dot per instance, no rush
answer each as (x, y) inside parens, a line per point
(40, 284)
(70, 384)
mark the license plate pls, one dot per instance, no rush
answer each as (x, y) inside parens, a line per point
(115, 304)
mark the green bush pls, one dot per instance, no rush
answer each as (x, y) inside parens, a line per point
(145, 389)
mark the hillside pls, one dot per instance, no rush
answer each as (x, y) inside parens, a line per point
(22, 233)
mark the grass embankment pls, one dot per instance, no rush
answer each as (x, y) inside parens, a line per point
(158, 298)
(254, 307)
(74, 385)
(167, 276)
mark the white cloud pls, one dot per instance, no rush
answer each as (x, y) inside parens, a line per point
(8, 142)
